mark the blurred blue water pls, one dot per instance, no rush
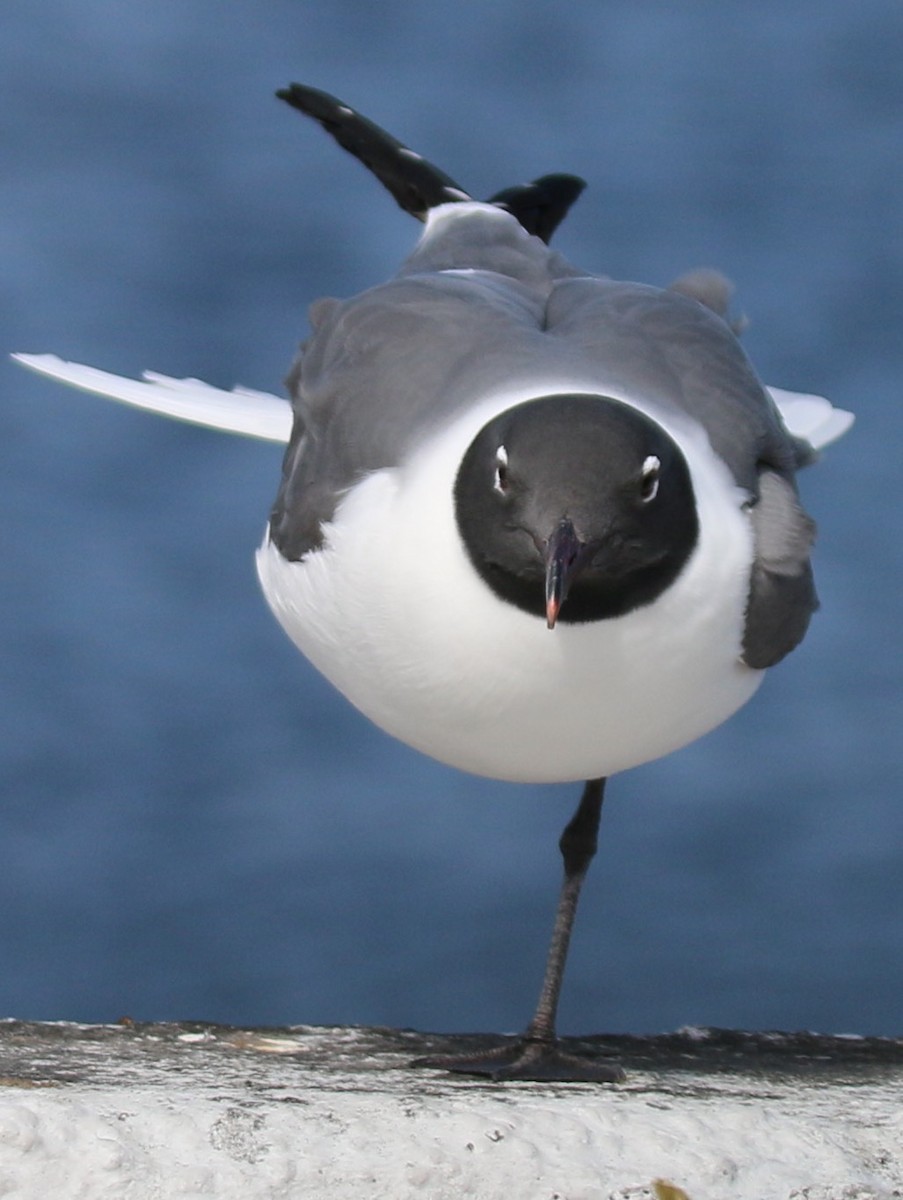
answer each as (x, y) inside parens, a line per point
(191, 822)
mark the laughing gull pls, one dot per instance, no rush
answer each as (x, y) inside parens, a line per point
(538, 524)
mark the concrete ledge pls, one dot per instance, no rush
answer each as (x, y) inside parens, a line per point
(157, 1111)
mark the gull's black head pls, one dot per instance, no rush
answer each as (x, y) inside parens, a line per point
(575, 505)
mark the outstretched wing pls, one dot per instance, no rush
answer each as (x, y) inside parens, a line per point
(263, 415)
(254, 414)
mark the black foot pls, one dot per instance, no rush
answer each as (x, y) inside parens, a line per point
(527, 1059)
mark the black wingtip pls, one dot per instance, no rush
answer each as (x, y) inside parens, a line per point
(416, 184)
(542, 205)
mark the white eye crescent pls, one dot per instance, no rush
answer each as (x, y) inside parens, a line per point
(649, 477)
(500, 482)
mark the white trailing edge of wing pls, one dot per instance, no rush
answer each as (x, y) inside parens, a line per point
(243, 410)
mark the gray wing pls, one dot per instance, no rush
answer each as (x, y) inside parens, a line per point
(465, 314)
(680, 351)
(378, 373)
(380, 369)
(782, 594)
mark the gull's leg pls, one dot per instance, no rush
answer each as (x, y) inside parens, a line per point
(537, 1054)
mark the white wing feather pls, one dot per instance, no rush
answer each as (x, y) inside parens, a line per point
(812, 418)
(255, 414)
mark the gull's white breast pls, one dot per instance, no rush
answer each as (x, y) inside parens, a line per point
(394, 615)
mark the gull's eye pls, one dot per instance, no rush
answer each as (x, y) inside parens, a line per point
(500, 482)
(649, 477)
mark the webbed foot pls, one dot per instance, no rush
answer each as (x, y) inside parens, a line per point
(531, 1059)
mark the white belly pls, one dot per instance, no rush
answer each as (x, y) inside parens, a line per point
(393, 614)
